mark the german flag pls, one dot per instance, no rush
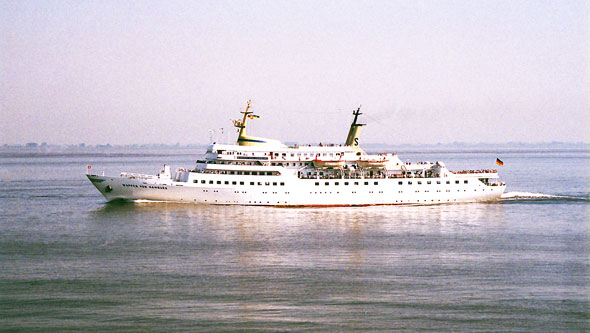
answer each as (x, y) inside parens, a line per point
(499, 162)
(253, 116)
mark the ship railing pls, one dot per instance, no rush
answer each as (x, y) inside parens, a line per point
(131, 175)
(466, 172)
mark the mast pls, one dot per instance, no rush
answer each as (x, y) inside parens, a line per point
(241, 125)
(355, 130)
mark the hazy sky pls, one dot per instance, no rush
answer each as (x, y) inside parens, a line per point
(124, 72)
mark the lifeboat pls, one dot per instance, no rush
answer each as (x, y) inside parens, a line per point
(373, 163)
(328, 164)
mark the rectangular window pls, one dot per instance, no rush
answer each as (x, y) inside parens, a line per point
(317, 183)
(366, 183)
(336, 183)
(274, 184)
(409, 183)
(219, 182)
(246, 172)
(419, 182)
(210, 182)
(465, 182)
(356, 183)
(326, 183)
(259, 183)
(251, 183)
(345, 183)
(195, 181)
(241, 183)
(234, 183)
(226, 182)
(376, 183)
(254, 173)
(456, 182)
(400, 183)
(203, 181)
(438, 181)
(429, 182)
(282, 184)
(448, 182)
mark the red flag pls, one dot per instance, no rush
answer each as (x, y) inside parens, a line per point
(89, 167)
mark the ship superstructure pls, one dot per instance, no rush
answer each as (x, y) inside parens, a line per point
(260, 171)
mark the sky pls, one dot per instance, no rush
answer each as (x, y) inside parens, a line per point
(423, 72)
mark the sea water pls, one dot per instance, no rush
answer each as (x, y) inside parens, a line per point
(71, 261)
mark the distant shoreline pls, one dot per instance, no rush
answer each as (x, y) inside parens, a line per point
(457, 147)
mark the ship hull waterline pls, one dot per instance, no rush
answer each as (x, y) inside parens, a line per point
(306, 193)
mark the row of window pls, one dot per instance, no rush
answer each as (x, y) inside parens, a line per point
(244, 173)
(219, 182)
(284, 155)
(399, 183)
(227, 182)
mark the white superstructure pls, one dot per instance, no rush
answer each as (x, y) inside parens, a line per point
(259, 171)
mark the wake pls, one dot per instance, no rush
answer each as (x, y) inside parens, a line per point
(542, 196)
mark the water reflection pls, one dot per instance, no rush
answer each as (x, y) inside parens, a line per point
(279, 237)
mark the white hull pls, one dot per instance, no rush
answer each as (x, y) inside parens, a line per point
(300, 192)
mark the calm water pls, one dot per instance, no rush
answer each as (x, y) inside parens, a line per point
(70, 261)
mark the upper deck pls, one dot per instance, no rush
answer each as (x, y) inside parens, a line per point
(296, 153)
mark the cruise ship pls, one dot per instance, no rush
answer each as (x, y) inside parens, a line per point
(257, 171)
